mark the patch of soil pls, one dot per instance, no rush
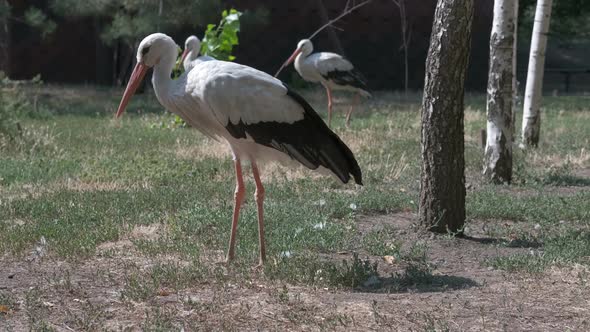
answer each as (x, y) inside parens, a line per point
(462, 293)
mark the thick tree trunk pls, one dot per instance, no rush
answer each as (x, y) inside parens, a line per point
(498, 151)
(531, 118)
(442, 184)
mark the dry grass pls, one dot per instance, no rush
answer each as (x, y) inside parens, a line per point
(136, 229)
(208, 148)
(459, 294)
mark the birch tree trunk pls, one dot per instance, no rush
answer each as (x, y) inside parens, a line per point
(514, 70)
(498, 151)
(442, 179)
(531, 118)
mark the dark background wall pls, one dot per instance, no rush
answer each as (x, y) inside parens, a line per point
(369, 37)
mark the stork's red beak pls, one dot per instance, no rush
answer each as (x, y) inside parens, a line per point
(292, 57)
(183, 56)
(288, 62)
(136, 77)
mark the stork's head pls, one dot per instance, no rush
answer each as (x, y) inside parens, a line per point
(192, 43)
(152, 49)
(304, 47)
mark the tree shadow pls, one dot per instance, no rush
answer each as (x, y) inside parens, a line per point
(417, 277)
(515, 243)
(418, 281)
(567, 180)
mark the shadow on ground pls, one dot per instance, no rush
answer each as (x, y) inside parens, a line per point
(423, 283)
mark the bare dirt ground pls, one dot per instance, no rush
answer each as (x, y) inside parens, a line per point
(461, 294)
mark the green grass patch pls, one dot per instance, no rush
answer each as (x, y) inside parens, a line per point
(83, 180)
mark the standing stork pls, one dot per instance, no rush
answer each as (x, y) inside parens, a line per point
(259, 117)
(190, 57)
(333, 71)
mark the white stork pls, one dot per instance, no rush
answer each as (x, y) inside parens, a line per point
(190, 57)
(259, 117)
(333, 71)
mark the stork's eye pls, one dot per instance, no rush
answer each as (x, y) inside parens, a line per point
(145, 50)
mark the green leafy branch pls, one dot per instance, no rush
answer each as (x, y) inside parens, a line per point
(219, 40)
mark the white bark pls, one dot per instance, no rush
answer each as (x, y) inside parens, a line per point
(498, 151)
(531, 119)
(514, 68)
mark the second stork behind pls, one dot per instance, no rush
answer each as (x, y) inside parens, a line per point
(331, 70)
(190, 57)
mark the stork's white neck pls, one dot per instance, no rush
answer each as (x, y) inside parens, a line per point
(161, 80)
(194, 54)
(299, 63)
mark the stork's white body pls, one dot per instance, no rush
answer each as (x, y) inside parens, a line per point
(333, 71)
(255, 113)
(317, 67)
(216, 93)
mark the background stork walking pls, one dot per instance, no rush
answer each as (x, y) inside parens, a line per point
(255, 113)
(333, 71)
(190, 56)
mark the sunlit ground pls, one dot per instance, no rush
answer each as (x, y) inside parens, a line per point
(122, 224)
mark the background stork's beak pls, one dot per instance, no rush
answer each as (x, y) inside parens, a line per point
(291, 58)
(183, 56)
(136, 78)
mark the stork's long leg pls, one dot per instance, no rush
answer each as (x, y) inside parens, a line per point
(259, 195)
(329, 92)
(239, 199)
(355, 102)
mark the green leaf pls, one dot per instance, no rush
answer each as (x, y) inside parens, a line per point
(219, 40)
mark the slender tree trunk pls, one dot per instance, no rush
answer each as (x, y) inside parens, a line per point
(5, 45)
(498, 151)
(514, 71)
(115, 69)
(442, 183)
(126, 62)
(531, 118)
(406, 37)
(333, 36)
(160, 9)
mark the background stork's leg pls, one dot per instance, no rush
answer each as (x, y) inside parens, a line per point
(329, 92)
(259, 195)
(239, 199)
(355, 102)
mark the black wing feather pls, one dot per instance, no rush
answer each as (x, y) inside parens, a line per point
(308, 141)
(351, 77)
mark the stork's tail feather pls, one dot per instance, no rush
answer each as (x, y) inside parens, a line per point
(329, 150)
(352, 166)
